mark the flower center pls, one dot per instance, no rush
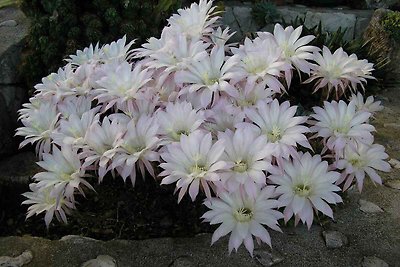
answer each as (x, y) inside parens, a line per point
(176, 136)
(243, 214)
(302, 190)
(240, 166)
(356, 162)
(198, 170)
(275, 134)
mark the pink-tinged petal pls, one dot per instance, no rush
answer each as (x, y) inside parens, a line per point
(194, 189)
(224, 229)
(322, 206)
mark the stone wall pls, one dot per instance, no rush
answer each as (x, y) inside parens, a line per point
(13, 30)
(239, 18)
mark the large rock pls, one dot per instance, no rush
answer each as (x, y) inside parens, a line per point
(374, 4)
(240, 19)
(12, 41)
(13, 31)
(332, 22)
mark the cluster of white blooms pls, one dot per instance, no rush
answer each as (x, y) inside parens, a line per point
(209, 114)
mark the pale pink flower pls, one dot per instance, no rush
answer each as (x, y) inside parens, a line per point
(173, 51)
(56, 85)
(223, 115)
(177, 119)
(99, 144)
(209, 76)
(137, 147)
(294, 49)
(249, 154)
(88, 55)
(72, 130)
(42, 200)
(244, 217)
(74, 105)
(249, 94)
(220, 37)
(305, 184)
(339, 124)
(338, 71)
(121, 84)
(369, 105)
(63, 172)
(360, 159)
(117, 52)
(260, 59)
(283, 129)
(195, 21)
(39, 120)
(193, 162)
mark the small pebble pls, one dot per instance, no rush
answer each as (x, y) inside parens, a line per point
(8, 23)
(24, 258)
(394, 163)
(101, 261)
(369, 207)
(373, 261)
(267, 258)
(395, 184)
(334, 239)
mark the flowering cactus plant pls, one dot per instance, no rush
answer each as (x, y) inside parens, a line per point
(210, 116)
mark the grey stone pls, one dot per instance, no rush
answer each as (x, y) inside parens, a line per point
(394, 163)
(24, 258)
(8, 23)
(101, 261)
(361, 25)
(12, 41)
(288, 15)
(244, 19)
(395, 184)
(369, 207)
(76, 239)
(184, 261)
(266, 257)
(372, 261)
(334, 239)
(374, 4)
(332, 21)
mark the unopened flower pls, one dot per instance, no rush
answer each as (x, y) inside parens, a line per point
(193, 163)
(360, 159)
(244, 217)
(305, 184)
